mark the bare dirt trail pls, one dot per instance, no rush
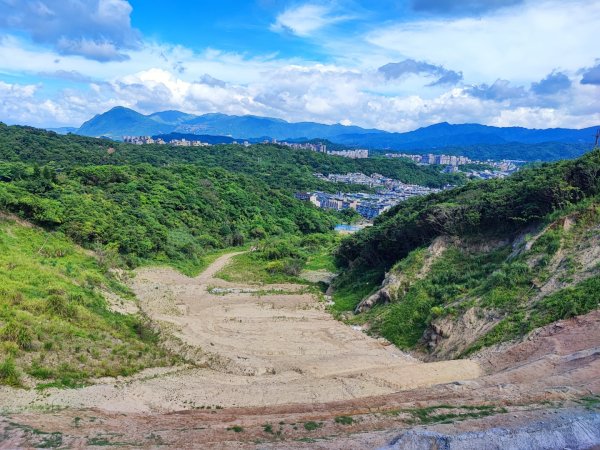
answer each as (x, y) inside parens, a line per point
(266, 345)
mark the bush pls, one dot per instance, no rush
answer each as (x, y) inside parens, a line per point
(344, 420)
(9, 374)
(17, 333)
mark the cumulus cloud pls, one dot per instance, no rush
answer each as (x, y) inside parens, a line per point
(501, 44)
(410, 66)
(461, 7)
(500, 91)
(96, 29)
(304, 20)
(591, 75)
(553, 83)
(216, 81)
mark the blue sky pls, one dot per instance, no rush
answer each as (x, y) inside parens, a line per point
(390, 64)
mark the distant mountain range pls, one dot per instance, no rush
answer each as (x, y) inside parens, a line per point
(120, 121)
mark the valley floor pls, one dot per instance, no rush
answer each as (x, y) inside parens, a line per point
(273, 365)
(253, 346)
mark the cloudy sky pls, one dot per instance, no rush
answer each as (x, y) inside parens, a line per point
(390, 64)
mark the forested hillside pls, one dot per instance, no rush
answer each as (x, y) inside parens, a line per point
(481, 264)
(280, 167)
(171, 204)
(488, 207)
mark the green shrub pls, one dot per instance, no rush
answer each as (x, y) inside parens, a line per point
(17, 333)
(311, 426)
(9, 374)
(344, 420)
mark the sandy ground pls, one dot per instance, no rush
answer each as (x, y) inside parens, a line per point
(261, 345)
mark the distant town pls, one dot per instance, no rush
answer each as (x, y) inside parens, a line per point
(498, 169)
(368, 205)
(319, 148)
(322, 148)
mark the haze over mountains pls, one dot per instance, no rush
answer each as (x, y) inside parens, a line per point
(506, 142)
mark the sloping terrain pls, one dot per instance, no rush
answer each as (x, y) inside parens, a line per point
(63, 316)
(252, 346)
(479, 265)
(459, 295)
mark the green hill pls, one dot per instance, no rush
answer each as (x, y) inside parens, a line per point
(480, 264)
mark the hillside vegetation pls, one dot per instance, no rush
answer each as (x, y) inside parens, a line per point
(56, 325)
(481, 264)
(279, 167)
(171, 204)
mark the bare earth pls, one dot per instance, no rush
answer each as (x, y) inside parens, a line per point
(263, 349)
(281, 358)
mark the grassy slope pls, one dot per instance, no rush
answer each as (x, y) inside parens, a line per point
(495, 281)
(55, 325)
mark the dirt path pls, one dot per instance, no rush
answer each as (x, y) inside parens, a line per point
(261, 345)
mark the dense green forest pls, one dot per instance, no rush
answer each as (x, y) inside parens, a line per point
(171, 204)
(278, 166)
(173, 213)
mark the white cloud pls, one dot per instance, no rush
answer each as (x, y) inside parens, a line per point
(520, 44)
(306, 19)
(94, 29)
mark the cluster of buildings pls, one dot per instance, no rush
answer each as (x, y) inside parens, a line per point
(376, 180)
(318, 147)
(367, 205)
(141, 140)
(322, 148)
(488, 174)
(446, 160)
(453, 160)
(352, 154)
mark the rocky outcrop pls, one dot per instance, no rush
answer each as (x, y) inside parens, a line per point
(382, 296)
(567, 431)
(396, 283)
(447, 337)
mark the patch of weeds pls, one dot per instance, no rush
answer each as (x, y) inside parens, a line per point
(268, 428)
(591, 402)
(9, 374)
(47, 440)
(50, 440)
(311, 426)
(236, 428)
(103, 441)
(344, 420)
(434, 414)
